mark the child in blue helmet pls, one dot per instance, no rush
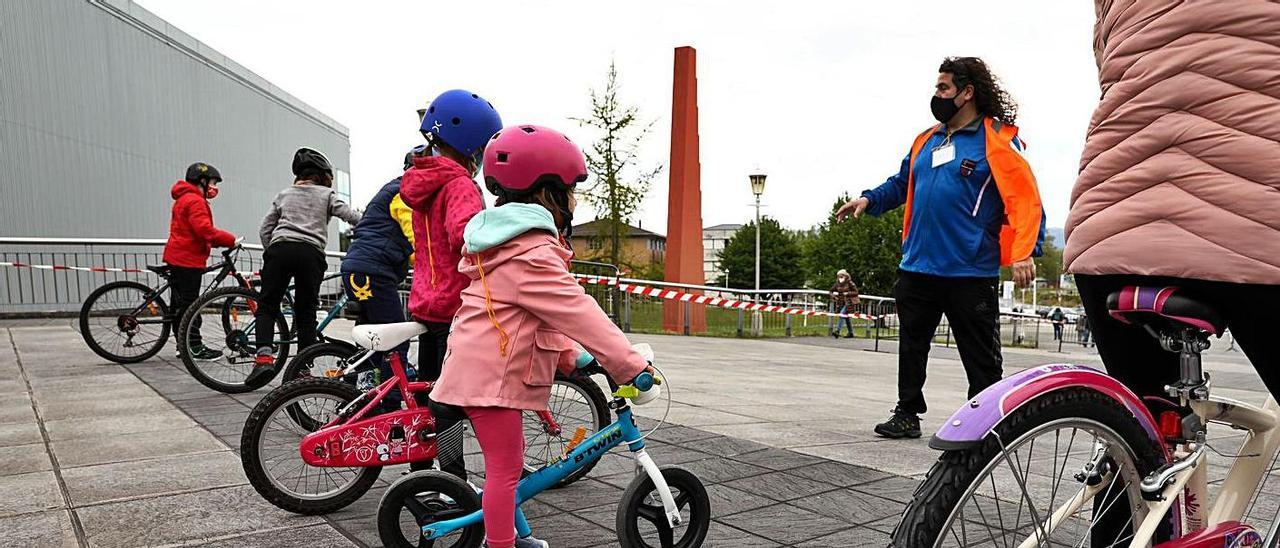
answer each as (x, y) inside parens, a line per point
(442, 191)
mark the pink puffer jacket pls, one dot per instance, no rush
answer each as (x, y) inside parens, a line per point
(1181, 168)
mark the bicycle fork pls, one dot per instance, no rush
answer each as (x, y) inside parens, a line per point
(660, 485)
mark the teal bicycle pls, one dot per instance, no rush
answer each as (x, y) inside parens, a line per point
(227, 330)
(664, 507)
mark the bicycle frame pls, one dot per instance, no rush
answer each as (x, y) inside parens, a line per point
(356, 435)
(225, 268)
(623, 430)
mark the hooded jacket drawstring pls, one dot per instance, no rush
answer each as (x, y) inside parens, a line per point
(431, 256)
(503, 338)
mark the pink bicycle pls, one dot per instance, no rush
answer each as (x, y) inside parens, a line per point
(1064, 455)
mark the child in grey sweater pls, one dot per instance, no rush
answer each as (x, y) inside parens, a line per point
(294, 234)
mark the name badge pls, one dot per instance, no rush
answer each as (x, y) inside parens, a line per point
(944, 154)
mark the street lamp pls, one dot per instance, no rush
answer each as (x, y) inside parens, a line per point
(757, 188)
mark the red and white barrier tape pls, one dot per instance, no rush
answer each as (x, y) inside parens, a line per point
(673, 295)
(14, 264)
(75, 268)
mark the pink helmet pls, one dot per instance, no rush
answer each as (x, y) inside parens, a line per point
(521, 159)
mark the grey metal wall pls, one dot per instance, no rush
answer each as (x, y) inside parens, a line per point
(102, 107)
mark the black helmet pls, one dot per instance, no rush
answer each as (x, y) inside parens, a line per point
(307, 161)
(201, 170)
(420, 150)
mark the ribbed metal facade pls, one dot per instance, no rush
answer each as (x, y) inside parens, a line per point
(102, 107)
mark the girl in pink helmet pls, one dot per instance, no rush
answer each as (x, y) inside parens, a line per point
(520, 314)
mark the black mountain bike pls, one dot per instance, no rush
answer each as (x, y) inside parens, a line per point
(128, 321)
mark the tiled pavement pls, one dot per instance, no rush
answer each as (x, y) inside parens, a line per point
(96, 454)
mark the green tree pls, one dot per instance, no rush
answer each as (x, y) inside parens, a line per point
(779, 258)
(870, 248)
(620, 184)
(1048, 264)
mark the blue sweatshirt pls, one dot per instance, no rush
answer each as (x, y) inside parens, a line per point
(956, 213)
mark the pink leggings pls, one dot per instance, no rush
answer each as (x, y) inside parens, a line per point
(500, 432)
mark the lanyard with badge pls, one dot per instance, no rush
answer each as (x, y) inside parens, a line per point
(945, 152)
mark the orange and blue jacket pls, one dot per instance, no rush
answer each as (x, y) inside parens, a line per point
(968, 216)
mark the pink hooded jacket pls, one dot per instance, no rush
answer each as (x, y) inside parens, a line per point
(1179, 174)
(518, 316)
(443, 197)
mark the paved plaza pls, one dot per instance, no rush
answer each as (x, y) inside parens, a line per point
(97, 454)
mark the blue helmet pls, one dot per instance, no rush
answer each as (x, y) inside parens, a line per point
(463, 120)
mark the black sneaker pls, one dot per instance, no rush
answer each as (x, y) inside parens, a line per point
(835, 334)
(264, 367)
(202, 352)
(849, 336)
(900, 425)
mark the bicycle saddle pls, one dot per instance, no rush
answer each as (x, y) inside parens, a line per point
(384, 337)
(1162, 308)
(162, 270)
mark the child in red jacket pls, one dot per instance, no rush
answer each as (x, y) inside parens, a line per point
(191, 237)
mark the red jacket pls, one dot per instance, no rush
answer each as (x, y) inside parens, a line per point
(443, 197)
(191, 231)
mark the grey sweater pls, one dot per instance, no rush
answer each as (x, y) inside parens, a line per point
(301, 213)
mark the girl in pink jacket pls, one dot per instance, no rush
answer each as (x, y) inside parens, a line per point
(520, 312)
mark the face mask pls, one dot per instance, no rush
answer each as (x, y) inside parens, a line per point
(211, 192)
(944, 108)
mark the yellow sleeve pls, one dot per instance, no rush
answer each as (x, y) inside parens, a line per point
(403, 216)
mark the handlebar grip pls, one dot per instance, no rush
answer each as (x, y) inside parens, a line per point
(643, 381)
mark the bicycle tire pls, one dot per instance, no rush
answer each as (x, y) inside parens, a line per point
(956, 470)
(300, 367)
(687, 488)
(242, 347)
(257, 473)
(86, 330)
(452, 498)
(599, 404)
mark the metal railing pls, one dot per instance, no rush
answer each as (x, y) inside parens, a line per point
(40, 292)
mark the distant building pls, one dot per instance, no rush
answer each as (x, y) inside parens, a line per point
(714, 239)
(639, 248)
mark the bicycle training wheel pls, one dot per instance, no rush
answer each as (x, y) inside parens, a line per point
(125, 322)
(217, 342)
(989, 496)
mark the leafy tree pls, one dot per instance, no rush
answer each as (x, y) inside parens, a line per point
(870, 248)
(619, 185)
(779, 258)
(1048, 264)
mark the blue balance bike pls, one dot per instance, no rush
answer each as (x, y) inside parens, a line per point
(663, 507)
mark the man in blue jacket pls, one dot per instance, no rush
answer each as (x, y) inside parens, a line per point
(972, 205)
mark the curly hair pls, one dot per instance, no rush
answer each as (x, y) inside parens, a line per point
(992, 99)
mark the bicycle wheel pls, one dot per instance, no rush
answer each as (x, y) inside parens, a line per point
(987, 495)
(226, 327)
(271, 460)
(427, 497)
(576, 403)
(319, 361)
(125, 322)
(641, 521)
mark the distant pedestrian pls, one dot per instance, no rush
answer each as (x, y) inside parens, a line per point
(1082, 329)
(844, 299)
(1058, 319)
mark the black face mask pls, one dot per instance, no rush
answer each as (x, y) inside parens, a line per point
(944, 108)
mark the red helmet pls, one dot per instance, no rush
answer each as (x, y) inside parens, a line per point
(521, 159)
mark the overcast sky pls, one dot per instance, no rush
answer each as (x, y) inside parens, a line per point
(825, 97)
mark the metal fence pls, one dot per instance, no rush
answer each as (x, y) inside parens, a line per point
(31, 291)
(26, 291)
